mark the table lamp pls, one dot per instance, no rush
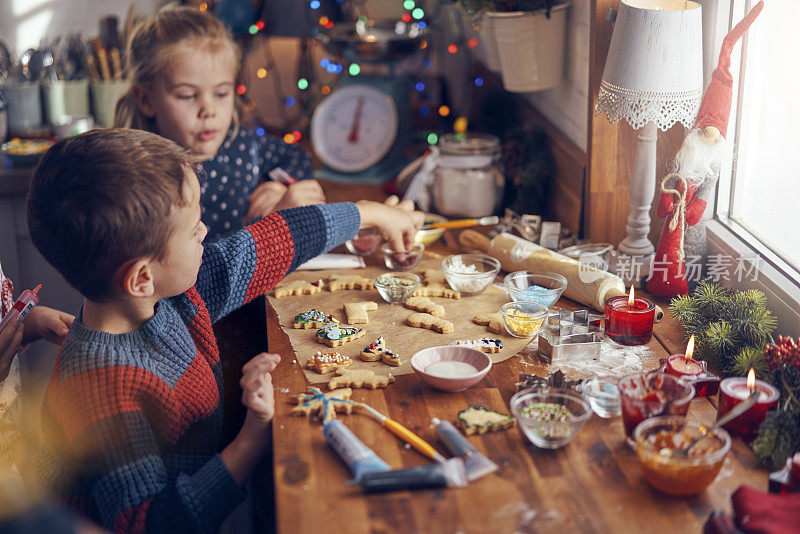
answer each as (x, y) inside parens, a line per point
(653, 77)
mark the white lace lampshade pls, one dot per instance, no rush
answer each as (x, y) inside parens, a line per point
(653, 77)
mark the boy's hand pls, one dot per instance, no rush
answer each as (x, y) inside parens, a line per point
(264, 199)
(302, 193)
(10, 344)
(47, 323)
(397, 223)
(257, 393)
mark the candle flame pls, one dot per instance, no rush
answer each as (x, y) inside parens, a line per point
(690, 348)
(751, 380)
(631, 299)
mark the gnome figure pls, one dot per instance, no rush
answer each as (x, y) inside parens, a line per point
(685, 192)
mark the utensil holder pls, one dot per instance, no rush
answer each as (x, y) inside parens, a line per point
(65, 99)
(105, 95)
(24, 105)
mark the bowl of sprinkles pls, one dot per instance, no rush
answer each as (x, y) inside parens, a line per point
(535, 286)
(396, 288)
(470, 274)
(402, 260)
(523, 319)
(550, 417)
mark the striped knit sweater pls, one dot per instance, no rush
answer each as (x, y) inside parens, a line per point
(132, 421)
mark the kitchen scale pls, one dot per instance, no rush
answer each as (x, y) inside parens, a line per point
(361, 129)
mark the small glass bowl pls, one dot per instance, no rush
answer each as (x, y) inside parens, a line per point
(402, 261)
(603, 396)
(365, 243)
(535, 286)
(533, 408)
(396, 288)
(523, 319)
(470, 274)
(672, 473)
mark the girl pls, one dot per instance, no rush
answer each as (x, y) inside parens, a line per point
(182, 64)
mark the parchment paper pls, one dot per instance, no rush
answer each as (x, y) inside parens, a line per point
(388, 321)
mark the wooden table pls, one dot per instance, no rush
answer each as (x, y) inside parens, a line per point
(592, 485)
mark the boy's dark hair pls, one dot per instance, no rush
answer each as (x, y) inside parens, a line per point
(103, 198)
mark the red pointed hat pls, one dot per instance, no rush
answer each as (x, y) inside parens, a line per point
(716, 107)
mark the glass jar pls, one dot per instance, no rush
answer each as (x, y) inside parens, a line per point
(467, 178)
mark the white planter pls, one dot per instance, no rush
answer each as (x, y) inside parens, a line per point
(489, 42)
(531, 48)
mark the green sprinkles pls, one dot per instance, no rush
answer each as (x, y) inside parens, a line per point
(547, 411)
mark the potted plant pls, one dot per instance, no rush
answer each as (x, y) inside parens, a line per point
(530, 36)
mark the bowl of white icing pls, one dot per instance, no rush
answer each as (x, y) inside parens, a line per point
(452, 367)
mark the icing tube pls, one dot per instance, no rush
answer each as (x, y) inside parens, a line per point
(447, 474)
(359, 458)
(476, 464)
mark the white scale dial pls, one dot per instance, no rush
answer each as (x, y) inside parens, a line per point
(354, 128)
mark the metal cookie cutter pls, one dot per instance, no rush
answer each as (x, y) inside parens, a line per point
(570, 334)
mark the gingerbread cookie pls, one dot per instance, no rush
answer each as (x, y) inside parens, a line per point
(357, 311)
(325, 362)
(334, 335)
(479, 420)
(424, 304)
(324, 404)
(349, 281)
(437, 290)
(312, 318)
(432, 276)
(297, 287)
(485, 344)
(494, 320)
(359, 378)
(378, 351)
(426, 320)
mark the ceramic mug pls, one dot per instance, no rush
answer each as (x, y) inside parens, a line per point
(24, 105)
(104, 100)
(65, 99)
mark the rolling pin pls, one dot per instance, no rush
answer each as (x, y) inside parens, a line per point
(585, 284)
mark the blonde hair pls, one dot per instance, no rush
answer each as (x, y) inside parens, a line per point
(148, 55)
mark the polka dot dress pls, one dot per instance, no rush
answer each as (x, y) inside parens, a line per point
(237, 169)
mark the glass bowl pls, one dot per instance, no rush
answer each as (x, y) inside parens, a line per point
(673, 473)
(603, 396)
(396, 288)
(470, 274)
(365, 243)
(402, 260)
(549, 417)
(535, 286)
(523, 319)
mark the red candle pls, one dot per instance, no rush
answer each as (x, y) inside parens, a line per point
(732, 391)
(681, 365)
(629, 320)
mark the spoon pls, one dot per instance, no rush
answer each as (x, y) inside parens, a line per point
(738, 410)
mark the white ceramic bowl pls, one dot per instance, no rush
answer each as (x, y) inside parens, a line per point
(446, 367)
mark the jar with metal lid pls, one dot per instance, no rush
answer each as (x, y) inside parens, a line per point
(468, 181)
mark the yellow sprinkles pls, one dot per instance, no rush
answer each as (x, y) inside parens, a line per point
(523, 324)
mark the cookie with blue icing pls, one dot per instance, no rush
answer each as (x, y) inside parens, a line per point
(334, 335)
(313, 318)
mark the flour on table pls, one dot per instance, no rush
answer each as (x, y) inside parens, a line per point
(614, 360)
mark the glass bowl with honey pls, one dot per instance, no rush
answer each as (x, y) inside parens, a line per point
(659, 445)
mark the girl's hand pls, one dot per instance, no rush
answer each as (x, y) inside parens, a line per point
(302, 193)
(264, 199)
(258, 395)
(398, 224)
(47, 323)
(10, 344)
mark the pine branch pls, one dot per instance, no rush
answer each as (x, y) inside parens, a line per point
(710, 298)
(749, 358)
(778, 438)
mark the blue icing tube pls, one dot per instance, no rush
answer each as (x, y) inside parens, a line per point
(359, 458)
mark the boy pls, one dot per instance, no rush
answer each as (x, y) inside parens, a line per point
(133, 411)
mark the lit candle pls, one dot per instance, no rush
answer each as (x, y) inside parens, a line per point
(629, 320)
(732, 391)
(683, 364)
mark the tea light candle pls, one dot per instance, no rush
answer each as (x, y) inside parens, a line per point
(734, 390)
(629, 320)
(681, 365)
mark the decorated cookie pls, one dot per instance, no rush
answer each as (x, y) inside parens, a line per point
(378, 351)
(312, 319)
(349, 281)
(325, 362)
(424, 304)
(426, 320)
(432, 276)
(437, 290)
(297, 287)
(479, 420)
(357, 311)
(325, 405)
(494, 320)
(334, 335)
(485, 344)
(359, 378)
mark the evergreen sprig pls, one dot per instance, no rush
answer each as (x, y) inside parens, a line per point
(778, 438)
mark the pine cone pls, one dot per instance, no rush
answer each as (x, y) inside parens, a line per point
(785, 352)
